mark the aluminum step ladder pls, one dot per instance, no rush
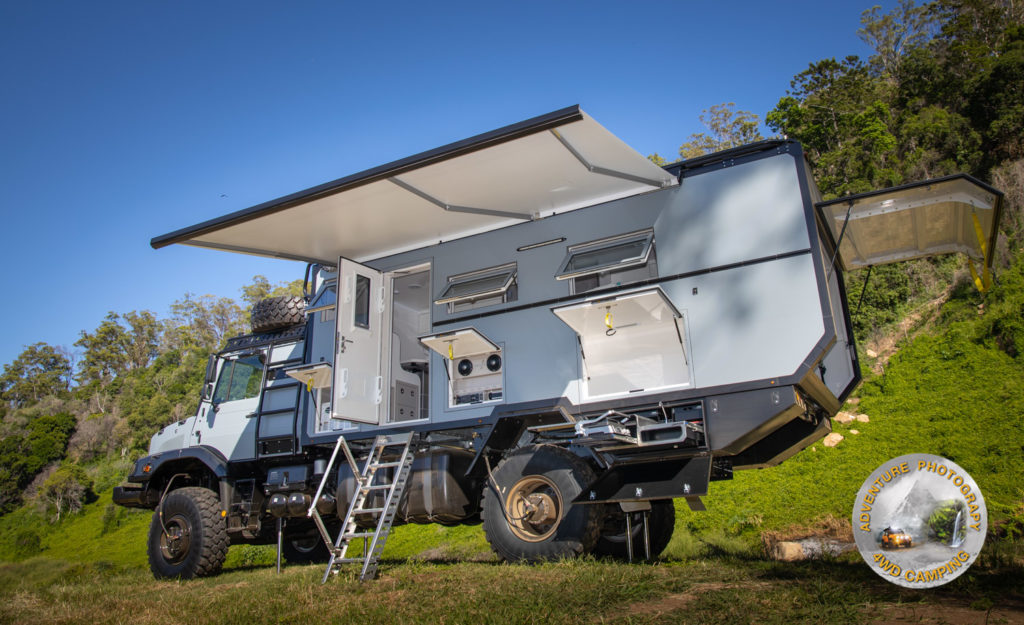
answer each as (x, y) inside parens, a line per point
(370, 479)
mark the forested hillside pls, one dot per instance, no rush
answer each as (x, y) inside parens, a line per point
(943, 93)
(98, 403)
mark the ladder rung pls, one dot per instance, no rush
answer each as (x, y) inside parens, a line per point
(358, 535)
(377, 487)
(347, 560)
(369, 510)
(383, 465)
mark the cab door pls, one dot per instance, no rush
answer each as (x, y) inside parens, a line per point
(228, 423)
(358, 374)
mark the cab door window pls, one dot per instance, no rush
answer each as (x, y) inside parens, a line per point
(239, 379)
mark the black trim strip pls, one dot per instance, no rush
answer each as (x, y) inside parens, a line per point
(459, 148)
(617, 288)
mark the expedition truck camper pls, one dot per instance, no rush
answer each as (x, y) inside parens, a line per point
(536, 328)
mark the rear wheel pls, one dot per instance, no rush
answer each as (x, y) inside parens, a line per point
(531, 517)
(187, 536)
(305, 550)
(661, 521)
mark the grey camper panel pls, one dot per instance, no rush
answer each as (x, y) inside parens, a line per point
(739, 264)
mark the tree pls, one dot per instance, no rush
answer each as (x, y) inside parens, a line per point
(203, 323)
(260, 288)
(23, 456)
(890, 35)
(105, 352)
(65, 491)
(728, 128)
(39, 371)
(143, 339)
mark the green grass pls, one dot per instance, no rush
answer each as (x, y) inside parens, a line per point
(718, 589)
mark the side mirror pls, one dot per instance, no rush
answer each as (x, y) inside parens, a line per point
(208, 390)
(211, 370)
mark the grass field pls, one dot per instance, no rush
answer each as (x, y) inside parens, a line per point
(708, 589)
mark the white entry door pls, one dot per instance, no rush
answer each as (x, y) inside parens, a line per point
(358, 375)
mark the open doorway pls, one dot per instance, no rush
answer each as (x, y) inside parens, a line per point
(409, 363)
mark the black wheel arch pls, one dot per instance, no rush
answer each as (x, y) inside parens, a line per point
(194, 466)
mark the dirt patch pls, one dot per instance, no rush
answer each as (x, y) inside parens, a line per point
(940, 614)
(680, 600)
(885, 345)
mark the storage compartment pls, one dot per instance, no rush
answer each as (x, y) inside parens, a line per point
(630, 343)
(476, 367)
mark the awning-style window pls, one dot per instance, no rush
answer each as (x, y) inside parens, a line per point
(326, 300)
(607, 254)
(478, 285)
(941, 216)
(557, 162)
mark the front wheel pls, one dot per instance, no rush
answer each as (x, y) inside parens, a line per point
(530, 517)
(661, 521)
(187, 536)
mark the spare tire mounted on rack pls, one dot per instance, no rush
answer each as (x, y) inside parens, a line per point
(275, 313)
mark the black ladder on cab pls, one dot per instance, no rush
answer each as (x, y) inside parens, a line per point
(390, 451)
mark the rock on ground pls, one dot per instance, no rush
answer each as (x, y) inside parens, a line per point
(832, 439)
(844, 417)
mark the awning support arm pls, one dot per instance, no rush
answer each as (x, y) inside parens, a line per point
(863, 290)
(456, 209)
(603, 171)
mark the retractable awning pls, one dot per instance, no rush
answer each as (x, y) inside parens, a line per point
(940, 216)
(553, 163)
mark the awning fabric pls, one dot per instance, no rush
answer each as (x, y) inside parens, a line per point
(940, 216)
(553, 163)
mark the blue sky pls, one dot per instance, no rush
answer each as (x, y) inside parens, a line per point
(120, 121)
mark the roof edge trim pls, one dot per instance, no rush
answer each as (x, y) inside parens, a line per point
(511, 132)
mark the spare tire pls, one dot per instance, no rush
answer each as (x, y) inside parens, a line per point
(275, 313)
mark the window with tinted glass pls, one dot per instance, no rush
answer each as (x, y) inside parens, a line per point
(481, 288)
(615, 260)
(362, 307)
(239, 379)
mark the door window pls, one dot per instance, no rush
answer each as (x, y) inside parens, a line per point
(239, 379)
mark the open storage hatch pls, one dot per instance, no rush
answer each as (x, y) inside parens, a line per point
(630, 343)
(940, 216)
(475, 366)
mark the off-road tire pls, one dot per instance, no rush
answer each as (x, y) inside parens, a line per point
(305, 550)
(565, 475)
(197, 512)
(612, 543)
(275, 313)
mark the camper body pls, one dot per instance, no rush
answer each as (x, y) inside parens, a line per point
(563, 373)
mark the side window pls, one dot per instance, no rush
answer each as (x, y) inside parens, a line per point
(223, 382)
(362, 307)
(477, 289)
(615, 260)
(239, 379)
